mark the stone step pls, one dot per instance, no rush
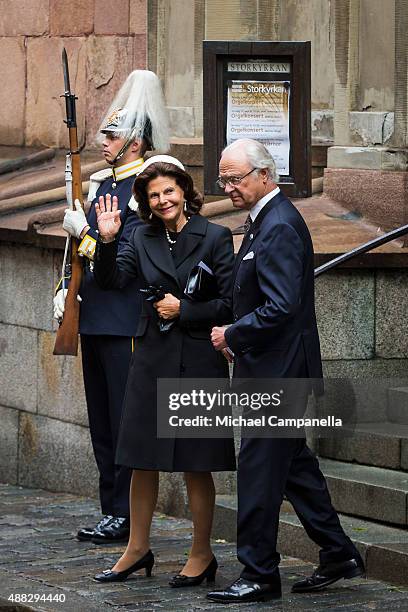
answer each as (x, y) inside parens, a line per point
(368, 492)
(378, 444)
(397, 408)
(383, 548)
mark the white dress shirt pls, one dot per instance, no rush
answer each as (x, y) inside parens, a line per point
(255, 210)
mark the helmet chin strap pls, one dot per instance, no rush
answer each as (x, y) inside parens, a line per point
(124, 148)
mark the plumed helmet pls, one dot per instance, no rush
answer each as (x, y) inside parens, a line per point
(138, 111)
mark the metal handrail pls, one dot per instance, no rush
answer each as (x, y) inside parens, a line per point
(363, 248)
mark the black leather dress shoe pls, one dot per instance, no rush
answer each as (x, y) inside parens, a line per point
(327, 574)
(146, 563)
(116, 530)
(180, 580)
(87, 533)
(246, 590)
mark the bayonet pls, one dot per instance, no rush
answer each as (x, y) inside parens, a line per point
(68, 95)
(66, 71)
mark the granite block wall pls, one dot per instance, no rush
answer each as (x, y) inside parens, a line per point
(105, 40)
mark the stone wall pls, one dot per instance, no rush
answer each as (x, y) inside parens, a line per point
(44, 439)
(105, 40)
(354, 45)
(176, 32)
(354, 72)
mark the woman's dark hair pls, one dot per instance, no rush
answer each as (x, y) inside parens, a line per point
(193, 198)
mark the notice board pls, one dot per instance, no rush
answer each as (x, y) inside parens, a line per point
(259, 90)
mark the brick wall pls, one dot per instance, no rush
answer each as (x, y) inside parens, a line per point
(105, 40)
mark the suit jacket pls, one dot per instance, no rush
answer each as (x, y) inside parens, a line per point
(184, 351)
(274, 334)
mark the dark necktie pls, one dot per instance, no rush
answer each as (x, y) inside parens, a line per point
(247, 224)
(246, 227)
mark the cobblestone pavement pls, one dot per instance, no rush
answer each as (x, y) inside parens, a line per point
(39, 555)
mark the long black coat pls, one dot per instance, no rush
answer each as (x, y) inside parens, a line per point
(185, 351)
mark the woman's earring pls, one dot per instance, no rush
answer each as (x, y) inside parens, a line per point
(151, 216)
(185, 205)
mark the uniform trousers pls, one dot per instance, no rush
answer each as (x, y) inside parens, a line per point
(105, 362)
(270, 468)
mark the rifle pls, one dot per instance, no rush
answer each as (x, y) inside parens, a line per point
(66, 342)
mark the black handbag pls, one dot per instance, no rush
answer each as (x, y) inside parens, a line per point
(201, 284)
(155, 294)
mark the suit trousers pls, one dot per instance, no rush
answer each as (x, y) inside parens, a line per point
(105, 362)
(268, 469)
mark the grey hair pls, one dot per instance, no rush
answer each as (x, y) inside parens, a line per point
(257, 155)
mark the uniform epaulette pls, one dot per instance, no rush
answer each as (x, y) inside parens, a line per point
(101, 175)
(96, 179)
(133, 205)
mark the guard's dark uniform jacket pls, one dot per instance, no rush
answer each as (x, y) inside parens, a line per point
(112, 312)
(108, 323)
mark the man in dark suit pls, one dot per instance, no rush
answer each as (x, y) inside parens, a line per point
(274, 335)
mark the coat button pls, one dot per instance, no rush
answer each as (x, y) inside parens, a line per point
(235, 317)
(238, 288)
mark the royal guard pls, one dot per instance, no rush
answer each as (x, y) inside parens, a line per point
(136, 122)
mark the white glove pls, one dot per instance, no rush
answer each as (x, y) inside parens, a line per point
(59, 303)
(75, 220)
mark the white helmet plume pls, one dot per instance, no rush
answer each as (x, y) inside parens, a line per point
(138, 111)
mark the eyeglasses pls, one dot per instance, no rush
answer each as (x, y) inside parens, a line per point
(232, 180)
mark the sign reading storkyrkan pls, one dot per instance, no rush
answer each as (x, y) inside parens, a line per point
(258, 66)
(260, 110)
(259, 90)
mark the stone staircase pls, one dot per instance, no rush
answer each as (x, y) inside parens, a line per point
(367, 475)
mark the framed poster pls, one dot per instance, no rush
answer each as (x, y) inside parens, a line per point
(259, 90)
(260, 110)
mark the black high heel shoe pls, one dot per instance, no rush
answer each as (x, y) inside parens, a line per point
(146, 562)
(180, 580)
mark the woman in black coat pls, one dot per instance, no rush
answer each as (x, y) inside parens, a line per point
(174, 239)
